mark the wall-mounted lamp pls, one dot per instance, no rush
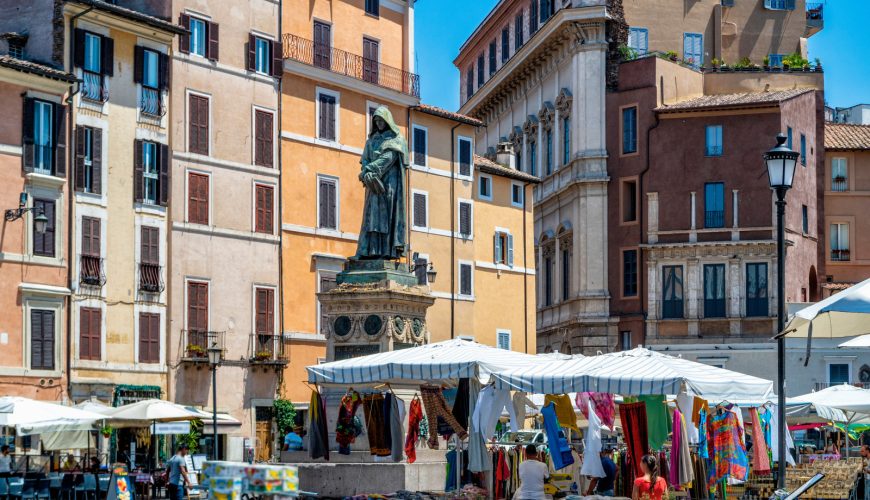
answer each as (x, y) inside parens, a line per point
(431, 273)
(40, 221)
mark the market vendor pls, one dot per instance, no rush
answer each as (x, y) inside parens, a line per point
(604, 486)
(865, 454)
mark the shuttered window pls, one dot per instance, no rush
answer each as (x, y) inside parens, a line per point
(693, 48)
(533, 17)
(465, 157)
(504, 339)
(149, 338)
(373, 7)
(629, 130)
(150, 245)
(421, 217)
(465, 219)
(420, 146)
(328, 105)
(89, 333)
(469, 83)
(90, 236)
(89, 160)
(503, 248)
(465, 280)
(197, 306)
(42, 332)
(505, 44)
(151, 173)
(263, 142)
(481, 75)
(327, 211)
(43, 138)
(198, 121)
(492, 58)
(197, 198)
(44, 244)
(265, 313)
(638, 39)
(265, 202)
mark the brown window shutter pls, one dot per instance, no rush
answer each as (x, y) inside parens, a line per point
(97, 160)
(277, 59)
(261, 311)
(150, 250)
(89, 333)
(184, 40)
(79, 48)
(198, 131)
(27, 136)
(91, 236)
(268, 140)
(270, 307)
(197, 308)
(163, 182)
(198, 198)
(251, 60)
(44, 243)
(138, 63)
(108, 54)
(59, 140)
(80, 159)
(264, 210)
(213, 33)
(333, 206)
(263, 144)
(138, 172)
(164, 71)
(144, 338)
(332, 111)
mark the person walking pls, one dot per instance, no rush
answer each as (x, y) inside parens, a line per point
(5, 461)
(650, 486)
(177, 468)
(604, 486)
(533, 474)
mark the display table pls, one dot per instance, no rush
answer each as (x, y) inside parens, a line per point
(840, 477)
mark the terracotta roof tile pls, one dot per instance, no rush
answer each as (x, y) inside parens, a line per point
(133, 15)
(836, 286)
(846, 137)
(35, 68)
(450, 115)
(741, 100)
(488, 166)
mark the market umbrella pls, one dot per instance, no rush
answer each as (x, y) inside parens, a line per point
(853, 401)
(858, 342)
(844, 314)
(150, 410)
(27, 414)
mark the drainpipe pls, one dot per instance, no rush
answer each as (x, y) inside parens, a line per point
(453, 228)
(69, 215)
(280, 228)
(640, 192)
(525, 277)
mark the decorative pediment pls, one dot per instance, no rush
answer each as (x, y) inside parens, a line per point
(531, 126)
(516, 138)
(545, 115)
(563, 103)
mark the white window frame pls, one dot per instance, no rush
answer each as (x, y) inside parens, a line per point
(459, 265)
(837, 361)
(459, 140)
(522, 187)
(187, 121)
(42, 302)
(503, 331)
(38, 108)
(459, 233)
(149, 176)
(267, 45)
(161, 312)
(839, 230)
(413, 218)
(337, 96)
(193, 42)
(187, 173)
(254, 184)
(93, 38)
(275, 143)
(186, 299)
(56, 195)
(480, 179)
(425, 130)
(623, 336)
(841, 161)
(156, 61)
(335, 180)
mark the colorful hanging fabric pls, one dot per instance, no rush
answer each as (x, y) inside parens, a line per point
(603, 404)
(415, 418)
(560, 450)
(345, 430)
(760, 458)
(699, 404)
(436, 406)
(318, 444)
(592, 465)
(684, 476)
(633, 417)
(658, 423)
(676, 441)
(729, 455)
(564, 410)
(377, 425)
(703, 435)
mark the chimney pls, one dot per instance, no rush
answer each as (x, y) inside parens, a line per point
(504, 155)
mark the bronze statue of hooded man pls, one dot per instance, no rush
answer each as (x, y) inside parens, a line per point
(384, 161)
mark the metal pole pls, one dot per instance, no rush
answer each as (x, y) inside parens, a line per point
(780, 342)
(214, 411)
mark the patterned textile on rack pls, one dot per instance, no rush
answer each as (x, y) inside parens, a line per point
(602, 403)
(760, 456)
(436, 406)
(729, 456)
(415, 418)
(703, 435)
(345, 430)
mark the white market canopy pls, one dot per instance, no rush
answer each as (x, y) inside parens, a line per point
(636, 372)
(844, 314)
(30, 416)
(431, 363)
(150, 410)
(858, 342)
(851, 400)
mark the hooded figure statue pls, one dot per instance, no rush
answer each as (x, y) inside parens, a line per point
(384, 160)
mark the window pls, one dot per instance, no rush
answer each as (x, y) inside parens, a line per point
(533, 158)
(481, 77)
(629, 130)
(197, 37)
(465, 157)
(44, 244)
(151, 168)
(16, 47)
(638, 39)
(839, 174)
(838, 373)
(505, 44)
(90, 272)
(491, 58)
(775, 60)
(89, 160)
(547, 9)
(92, 76)
(713, 145)
(504, 339)
(42, 333)
(43, 137)
(756, 289)
(484, 187)
(265, 314)
(714, 290)
(672, 292)
(151, 71)
(149, 257)
(803, 150)
(693, 49)
(373, 7)
(566, 275)
(149, 338)
(533, 17)
(465, 219)
(265, 209)
(805, 219)
(420, 145)
(518, 195)
(327, 116)
(566, 141)
(149, 172)
(322, 45)
(548, 281)
(262, 56)
(263, 138)
(89, 333)
(466, 284)
(371, 60)
(625, 340)
(327, 203)
(548, 152)
(420, 217)
(714, 205)
(197, 312)
(788, 136)
(629, 201)
(629, 273)
(198, 120)
(839, 242)
(469, 83)
(150, 68)
(779, 4)
(197, 198)
(518, 32)
(203, 39)
(503, 248)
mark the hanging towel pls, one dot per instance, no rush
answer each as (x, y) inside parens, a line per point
(318, 446)
(774, 432)
(685, 403)
(633, 417)
(415, 415)
(658, 423)
(560, 450)
(592, 451)
(345, 430)
(520, 401)
(602, 403)
(491, 402)
(760, 459)
(478, 455)
(564, 410)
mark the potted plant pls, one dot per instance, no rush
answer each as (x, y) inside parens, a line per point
(766, 63)
(195, 351)
(743, 64)
(106, 431)
(627, 53)
(262, 356)
(671, 55)
(714, 63)
(818, 64)
(724, 66)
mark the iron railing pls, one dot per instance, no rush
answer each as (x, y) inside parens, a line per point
(714, 308)
(672, 309)
(352, 65)
(714, 219)
(815, 12)
(92, 87)
(91, 270)
(266, 348)
(151, 278)
(839, 184)
(713, 150)
(840, 255)
(150, 103)
(195, 344)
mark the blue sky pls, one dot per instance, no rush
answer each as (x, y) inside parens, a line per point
(442, 26)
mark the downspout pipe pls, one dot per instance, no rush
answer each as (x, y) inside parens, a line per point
(640, 191)
(453, 228)
(284, 345)
(525, 276)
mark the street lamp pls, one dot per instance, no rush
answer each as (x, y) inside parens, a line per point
(431, 273)
(214, 359)
(781, 162)
(40, 221)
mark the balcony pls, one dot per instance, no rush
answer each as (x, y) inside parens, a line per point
(344, 63)
(151, 278)
(815, 18)
(91, 271)
(839, 184)
(672, 309)
(266, 349)
(197, 342)
(714, 308)
(840, 255)
(712, 150)
(714, 219)
(150, 103)
(92, 87)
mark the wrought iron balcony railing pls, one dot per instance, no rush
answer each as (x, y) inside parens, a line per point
(267, 349)
(150, 103)
(151, 278)
(91, 270)
(839, 184)
(352, 65)
(840, 255)
(92, 87)
(196, 343)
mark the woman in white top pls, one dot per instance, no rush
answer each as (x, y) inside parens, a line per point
(533, 474)
(5, 461)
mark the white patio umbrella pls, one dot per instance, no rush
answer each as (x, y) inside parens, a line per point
(858, 342)
(853, 401)
(845, 314)
(150, 410)
(30, 416)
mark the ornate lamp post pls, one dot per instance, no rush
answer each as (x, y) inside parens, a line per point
(214, 359)
(40, 221)
(781, 162)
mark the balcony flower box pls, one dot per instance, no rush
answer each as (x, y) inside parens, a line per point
(195, 351)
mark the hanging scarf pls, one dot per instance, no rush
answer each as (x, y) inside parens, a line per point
(345, 430)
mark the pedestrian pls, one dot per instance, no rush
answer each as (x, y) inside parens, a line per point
(5, 461)
(533, 474)
(865, 454)
(604, 486)
(292, 441)
(649, 486)
(178, 481)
